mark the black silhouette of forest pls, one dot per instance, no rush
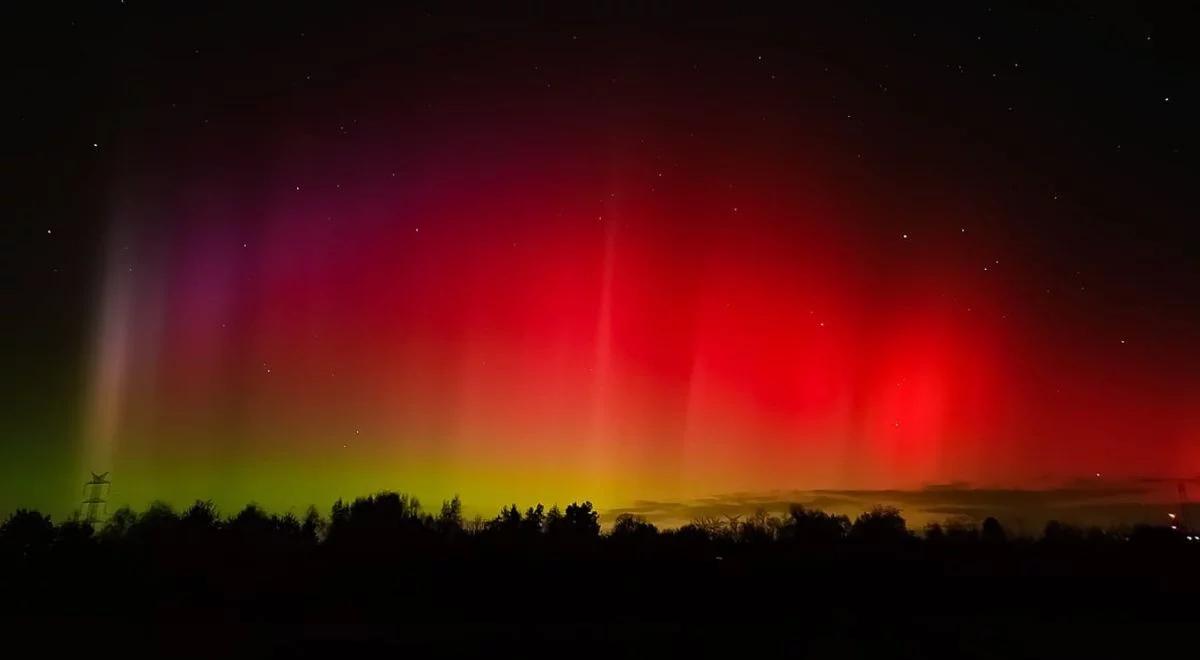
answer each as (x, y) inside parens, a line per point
(382, 574)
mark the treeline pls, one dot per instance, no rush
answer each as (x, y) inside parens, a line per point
(385, 570)
(396, 524)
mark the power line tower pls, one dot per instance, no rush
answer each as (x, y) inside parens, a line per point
(95, 502)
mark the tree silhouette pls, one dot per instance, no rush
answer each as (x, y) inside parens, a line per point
(759, 528)
(313, 527)
(961, 532)
(251, 522)
(118, 525)
(1155, 537)
(156, 526)
(710, 527)
(382, 523)
(201, 515)
(26, 535)
(992, 532)
(507, 522)
(553, 517)
(813, 527)
(628, 526)
(382, 556)
(1059, 533)
(74, 537)
(579, 521)
(534, 521)
(450, 518)
(882, 525)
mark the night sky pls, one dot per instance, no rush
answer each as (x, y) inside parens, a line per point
(630, 252)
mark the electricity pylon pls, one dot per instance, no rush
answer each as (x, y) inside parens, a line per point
(95, 504)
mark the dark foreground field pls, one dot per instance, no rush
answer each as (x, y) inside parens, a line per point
(381, 579)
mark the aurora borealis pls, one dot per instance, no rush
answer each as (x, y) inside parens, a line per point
(662, 255)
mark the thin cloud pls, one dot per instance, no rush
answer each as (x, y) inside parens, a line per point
(1086, 502)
